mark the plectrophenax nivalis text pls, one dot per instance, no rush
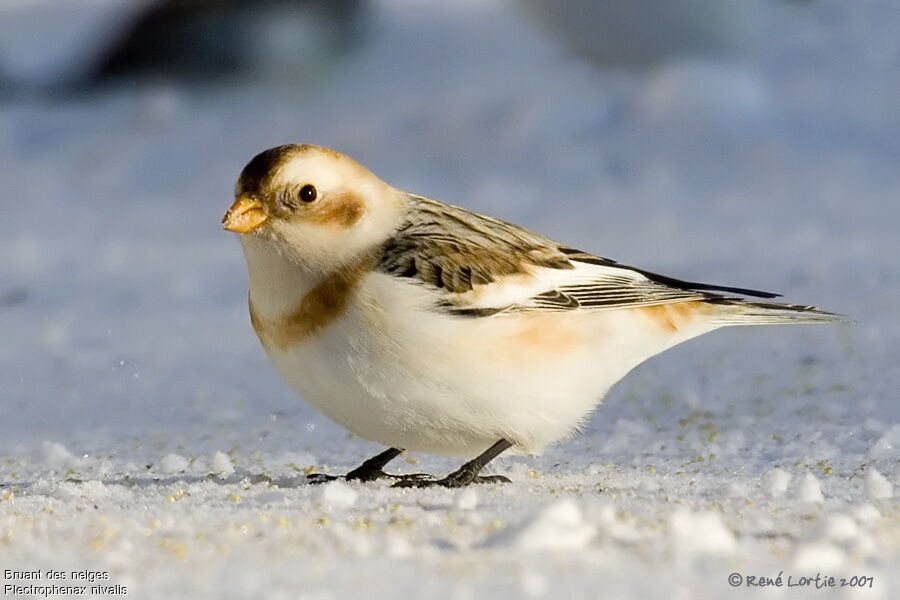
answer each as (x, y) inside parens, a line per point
(428, 327)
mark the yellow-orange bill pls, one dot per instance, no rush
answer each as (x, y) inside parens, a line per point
(246, 214)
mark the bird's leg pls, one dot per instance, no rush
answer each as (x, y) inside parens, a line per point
(370, 470)
(466, 474)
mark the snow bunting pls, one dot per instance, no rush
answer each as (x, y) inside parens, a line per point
(427, 327)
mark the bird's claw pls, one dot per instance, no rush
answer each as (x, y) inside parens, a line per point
(319, 478)
(451, 482)
(411, 477)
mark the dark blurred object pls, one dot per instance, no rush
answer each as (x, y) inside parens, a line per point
(13, 297)
(58, 42)
(222, 37)
(643, 32)
(47, 43)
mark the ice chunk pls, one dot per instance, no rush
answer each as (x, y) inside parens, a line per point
(775, 482)
(465, 499)
(737, 489)
(699, 533)
(86, 490)
(173, 463)
(810, 490)
(866, 513)
(398, 547)
(221, 464)
(819, 557)
(559, 527)
(840, 528)
(533, 585)
(55, 455)
(877, 487)
(336, 495)
(886, 445)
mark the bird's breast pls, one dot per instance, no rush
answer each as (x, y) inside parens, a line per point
(314, 312)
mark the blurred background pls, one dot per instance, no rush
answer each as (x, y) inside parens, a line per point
(741, 142)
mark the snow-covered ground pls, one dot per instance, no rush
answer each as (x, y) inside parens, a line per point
(143, 433)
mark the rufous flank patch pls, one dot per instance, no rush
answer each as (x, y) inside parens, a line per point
(544, 334)
(673, 316)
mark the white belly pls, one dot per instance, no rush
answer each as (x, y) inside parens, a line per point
(394, 373)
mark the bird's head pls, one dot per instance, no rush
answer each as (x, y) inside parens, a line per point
(312, 204)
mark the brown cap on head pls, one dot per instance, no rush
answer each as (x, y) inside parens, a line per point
(255, 175)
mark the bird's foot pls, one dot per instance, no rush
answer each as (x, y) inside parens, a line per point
(367, 476)
(410, 477)
(317, 478)
(454, 480)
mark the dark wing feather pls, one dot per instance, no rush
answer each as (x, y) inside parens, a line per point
(607, 291)
(455, 249)
(452, 250)
(579, 256)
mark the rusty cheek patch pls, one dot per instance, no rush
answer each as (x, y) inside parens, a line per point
(320, 307)
(339, 211)
(672, 317)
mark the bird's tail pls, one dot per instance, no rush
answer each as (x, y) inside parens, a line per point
(742, 312)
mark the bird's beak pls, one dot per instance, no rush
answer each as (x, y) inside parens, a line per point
(246, 214)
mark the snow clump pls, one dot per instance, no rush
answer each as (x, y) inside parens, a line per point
(558, 527)
(775, 482)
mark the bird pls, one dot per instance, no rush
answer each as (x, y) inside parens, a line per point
(427, 327)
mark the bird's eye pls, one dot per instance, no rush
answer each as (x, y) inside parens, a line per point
(307, 193)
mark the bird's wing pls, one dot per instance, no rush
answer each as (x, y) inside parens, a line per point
(480, 266)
